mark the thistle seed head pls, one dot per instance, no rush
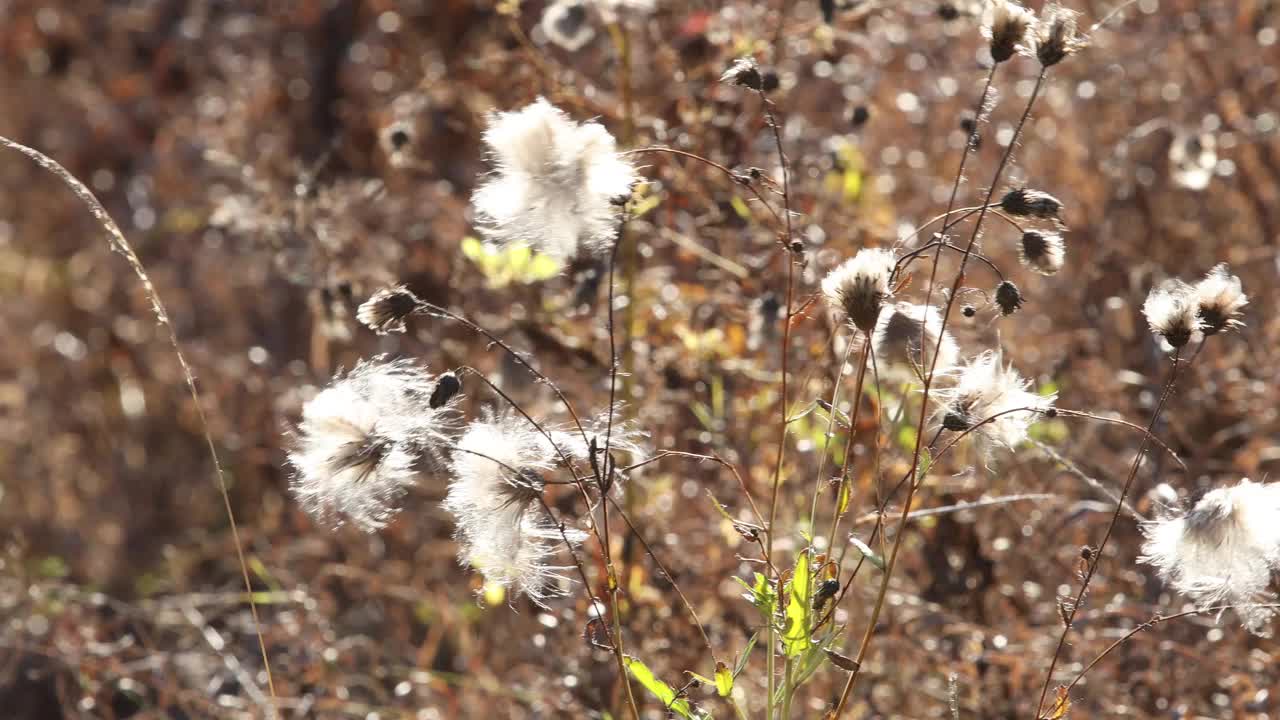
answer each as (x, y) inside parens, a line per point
(387, 310)
(1056, 37)
(1220, 298)
(1008, 297)
(744, 72)
(859, 286)
(565, 24)
(1006, 29)
(1222, 550)
(1172, 310)
(1042, 252)
(1024, 202)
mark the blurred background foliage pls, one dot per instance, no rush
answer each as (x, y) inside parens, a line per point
(274, 163)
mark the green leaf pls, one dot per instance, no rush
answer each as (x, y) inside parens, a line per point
(665, 694)
(795, 635)
(762, 595)
(643, 206)
(724, 680)
(867, 552)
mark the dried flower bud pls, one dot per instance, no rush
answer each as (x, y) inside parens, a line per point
(744, 72)
(1220, 298)
(1042, 252)
(1006, 29)
(1008, 297)
(1056, 35)
(386, 311)
(1024, 202)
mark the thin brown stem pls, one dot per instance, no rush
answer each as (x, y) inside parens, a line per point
(1111, 526)
(121, 245)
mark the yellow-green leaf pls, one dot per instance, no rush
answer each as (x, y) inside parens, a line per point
(795, 636)
(724, 680)
(665, 694)
(513, 263)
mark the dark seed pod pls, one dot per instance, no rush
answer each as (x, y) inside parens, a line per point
(859, 117)
(447, 386)
(1008, 297)
(1023, 202)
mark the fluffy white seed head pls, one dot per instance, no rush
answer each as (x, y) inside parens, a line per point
(360, 441)
(566, 24)
(1220, 298)
(556, 184)
(1172, 311)
(1005, 27)
(898, 333)
(498, 471)
(986, 389)
(859, 286)
(1223, 550)
(1043, 252)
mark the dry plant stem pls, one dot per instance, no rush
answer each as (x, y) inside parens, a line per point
(1111, 526)
(426, 308)
(712, 164)
(670, 578)
(604, 471)
(782, 400)
(848, 445)
(121, 245)
(1075, 471)
(1156, 620)
(831, 424)
(928, 383)
(955, 189)
(630, 264)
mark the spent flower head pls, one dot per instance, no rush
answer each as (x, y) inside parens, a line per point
(745, 72)
(1056, 37)
(1173, 312)
(1043, 252)
(556, 184)
(387, 310)
(859, 286)
(992, 399)
(565, 23)
(1219, 298)
(357, 449)
(1024, 202)
(1006, 27)
(497, 471)
(898, 333)
(1223, 550)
